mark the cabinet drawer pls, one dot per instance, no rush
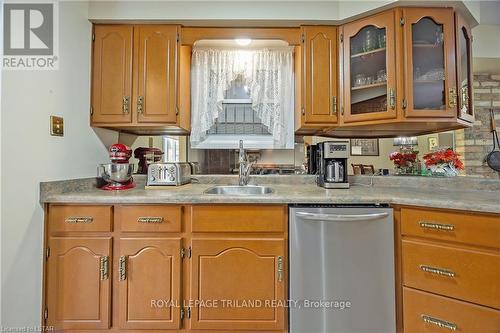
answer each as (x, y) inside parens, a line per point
(79, 218)
(238, 218)
(428, 313)
(466, 228)
(146, 218)
(468, 275)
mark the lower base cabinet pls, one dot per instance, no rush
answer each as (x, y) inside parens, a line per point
(426, 312)
(152, 268)
(238, 284)
(79, 283)
(149, 279)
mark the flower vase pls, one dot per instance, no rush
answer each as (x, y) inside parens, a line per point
(443, 170)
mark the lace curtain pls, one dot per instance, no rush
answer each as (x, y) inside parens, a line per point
(268, 74)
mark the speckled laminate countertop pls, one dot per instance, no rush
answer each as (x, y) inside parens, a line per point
(291, 190)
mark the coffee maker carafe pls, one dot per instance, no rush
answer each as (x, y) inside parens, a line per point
(332, 164)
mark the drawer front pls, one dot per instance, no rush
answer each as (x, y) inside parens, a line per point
(465, 228)
(149, 218)
(464, 274)
(428, 313)
(238, 218)
(80, 218)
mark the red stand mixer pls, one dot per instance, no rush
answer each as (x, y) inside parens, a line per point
(118, 173)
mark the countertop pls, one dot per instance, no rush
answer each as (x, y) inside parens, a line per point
(290, 190)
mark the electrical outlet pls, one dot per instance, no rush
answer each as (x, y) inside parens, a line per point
(56, 126)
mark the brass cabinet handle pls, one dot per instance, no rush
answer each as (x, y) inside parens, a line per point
(465, 97)
(438, 271)
(126, 104)
(79, 219)
(122, 268)
(452, 97)
(392, 98)
(104, 267)
(140, 104)
(280, 268)
(439, 322)
(150, 220)
(436, 226)
(334, 105)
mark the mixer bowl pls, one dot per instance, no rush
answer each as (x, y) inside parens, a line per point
(116, 172)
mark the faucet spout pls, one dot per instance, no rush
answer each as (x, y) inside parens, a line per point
(244, 169)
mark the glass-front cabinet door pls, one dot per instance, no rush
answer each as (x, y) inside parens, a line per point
(369, 59)
(464, 69)
(430, 62)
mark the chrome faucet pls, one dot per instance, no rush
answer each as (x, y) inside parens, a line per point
(245, 166)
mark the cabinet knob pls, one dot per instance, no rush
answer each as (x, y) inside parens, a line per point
(126, 104)
(452, 97)
(392, 98)
(140, 104)
(334, 105)
(439, 322)
(79, 219)
(122, 268)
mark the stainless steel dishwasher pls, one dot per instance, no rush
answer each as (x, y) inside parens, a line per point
(342, 269)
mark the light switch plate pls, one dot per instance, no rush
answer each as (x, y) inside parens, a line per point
(56, 126)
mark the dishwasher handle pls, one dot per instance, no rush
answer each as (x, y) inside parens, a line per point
(340, 217)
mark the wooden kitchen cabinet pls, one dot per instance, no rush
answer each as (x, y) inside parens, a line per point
(430, 77)
(143, 267)
(414, 48)
(78, 292)
(370, 68)
(238, 271)
(149, 275)
(319, 78)
(449, 267)
(463, 37)
(112, 74)
(156, 69)
(136, 78)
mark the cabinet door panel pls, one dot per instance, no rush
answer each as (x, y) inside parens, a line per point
(237, 270)
(150, 289)
(157, 77)
(112, 74)
(78, 296)
(430, 62)
(320, 74)
(464, 69)
(370, 68)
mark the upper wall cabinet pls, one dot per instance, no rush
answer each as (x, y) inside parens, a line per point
(317, 71)
(135, 77)
(370, 68)
(156, 82)
(429, 39)
(464, 69)
(399, 74)
(112, 74)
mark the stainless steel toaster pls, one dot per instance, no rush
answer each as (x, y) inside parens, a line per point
(174, 174)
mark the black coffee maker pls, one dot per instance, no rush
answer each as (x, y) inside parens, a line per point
(332, 164)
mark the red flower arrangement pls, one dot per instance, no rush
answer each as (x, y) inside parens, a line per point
(402, 159)
(443, 157)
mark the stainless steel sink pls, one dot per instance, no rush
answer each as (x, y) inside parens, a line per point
(239, 190)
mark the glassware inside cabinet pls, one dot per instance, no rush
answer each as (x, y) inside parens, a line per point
(428, 65)
(368, 71)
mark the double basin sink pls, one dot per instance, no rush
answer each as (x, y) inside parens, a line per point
(239, 190)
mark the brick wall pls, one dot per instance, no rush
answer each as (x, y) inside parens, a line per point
(476, 142)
